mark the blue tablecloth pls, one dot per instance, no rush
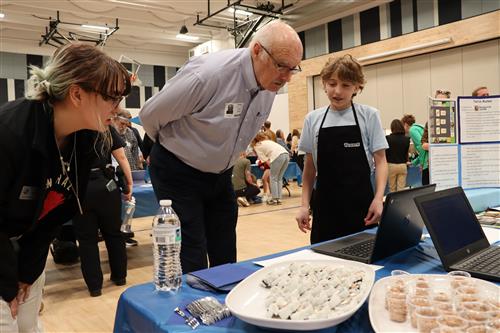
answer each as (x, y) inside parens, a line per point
(141, 309)
(145, 200)
(292, 171)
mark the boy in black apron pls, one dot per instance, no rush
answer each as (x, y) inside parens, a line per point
(337, 141)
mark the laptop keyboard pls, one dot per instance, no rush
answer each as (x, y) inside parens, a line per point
(486, 262)
(363, 249)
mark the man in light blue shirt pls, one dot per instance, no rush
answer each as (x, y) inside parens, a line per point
(200, 121)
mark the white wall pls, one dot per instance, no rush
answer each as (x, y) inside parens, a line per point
(279, 114)
(403, 86)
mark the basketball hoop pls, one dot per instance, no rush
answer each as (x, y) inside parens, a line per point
(134, 80)
(133, 68)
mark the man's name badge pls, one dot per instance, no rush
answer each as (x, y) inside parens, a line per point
(28, 193)
(233, 110)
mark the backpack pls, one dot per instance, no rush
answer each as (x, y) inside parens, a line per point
(64, 252)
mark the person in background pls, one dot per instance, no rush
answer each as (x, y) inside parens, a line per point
(198, 140)
(131, 148)
(289, 141)
(297, 154)
(344, 142)
(140, 143)
(280, 139)
(397, 156)
(267, 130)
(481, 92)
(244, 184)
(415, 132)
(102, 211)
(48, 144)
(277, 158)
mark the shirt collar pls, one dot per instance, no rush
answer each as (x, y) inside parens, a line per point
(248, 73)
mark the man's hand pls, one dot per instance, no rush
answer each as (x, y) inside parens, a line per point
(303, 219)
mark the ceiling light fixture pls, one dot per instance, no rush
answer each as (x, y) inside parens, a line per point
(239, 11)
(2, 15)
(95, 27)
(187, 37)
(184, 30)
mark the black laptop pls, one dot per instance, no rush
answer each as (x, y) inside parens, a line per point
(400, 228)
(457, 235)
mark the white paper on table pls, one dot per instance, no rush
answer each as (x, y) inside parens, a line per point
(304, 255)
(493, 234)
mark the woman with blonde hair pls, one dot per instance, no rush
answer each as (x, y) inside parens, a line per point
(47, 144)
(343, 143)
(277, 158)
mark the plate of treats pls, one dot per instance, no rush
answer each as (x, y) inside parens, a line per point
(302, 295)
(434, 303)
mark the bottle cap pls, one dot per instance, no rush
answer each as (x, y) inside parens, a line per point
(165, 203)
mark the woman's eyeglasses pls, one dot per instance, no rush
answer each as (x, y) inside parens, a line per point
(282, 68)
(116, 100)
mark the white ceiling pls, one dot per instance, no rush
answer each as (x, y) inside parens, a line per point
(151, 25)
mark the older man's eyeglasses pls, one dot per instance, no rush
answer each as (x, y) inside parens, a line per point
(282, 68)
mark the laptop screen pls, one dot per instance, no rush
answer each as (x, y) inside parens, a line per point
(453, 222)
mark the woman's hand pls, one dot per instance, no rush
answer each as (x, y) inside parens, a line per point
(128, 196)
(303, 219)
(374, 212)
(14, 304)
(22, 295)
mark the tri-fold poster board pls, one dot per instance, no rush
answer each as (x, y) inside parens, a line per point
(465, 142)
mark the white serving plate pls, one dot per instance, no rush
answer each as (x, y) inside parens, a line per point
(379, 316)
(247, 300)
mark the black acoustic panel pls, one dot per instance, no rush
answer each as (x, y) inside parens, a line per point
(396, 23)
(33, 59)
(19, 88)
(335, 36)
(369, 22)
(449, 11)
(4, 94)
(415, 15)
(127, 65)
(133, 99)
(159, 76)
(148, 92)
(302, 36)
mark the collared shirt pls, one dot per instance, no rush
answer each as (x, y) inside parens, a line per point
(372, 132)
(210, 111)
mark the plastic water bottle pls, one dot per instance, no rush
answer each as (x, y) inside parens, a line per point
(128, 216)
(167, 248)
